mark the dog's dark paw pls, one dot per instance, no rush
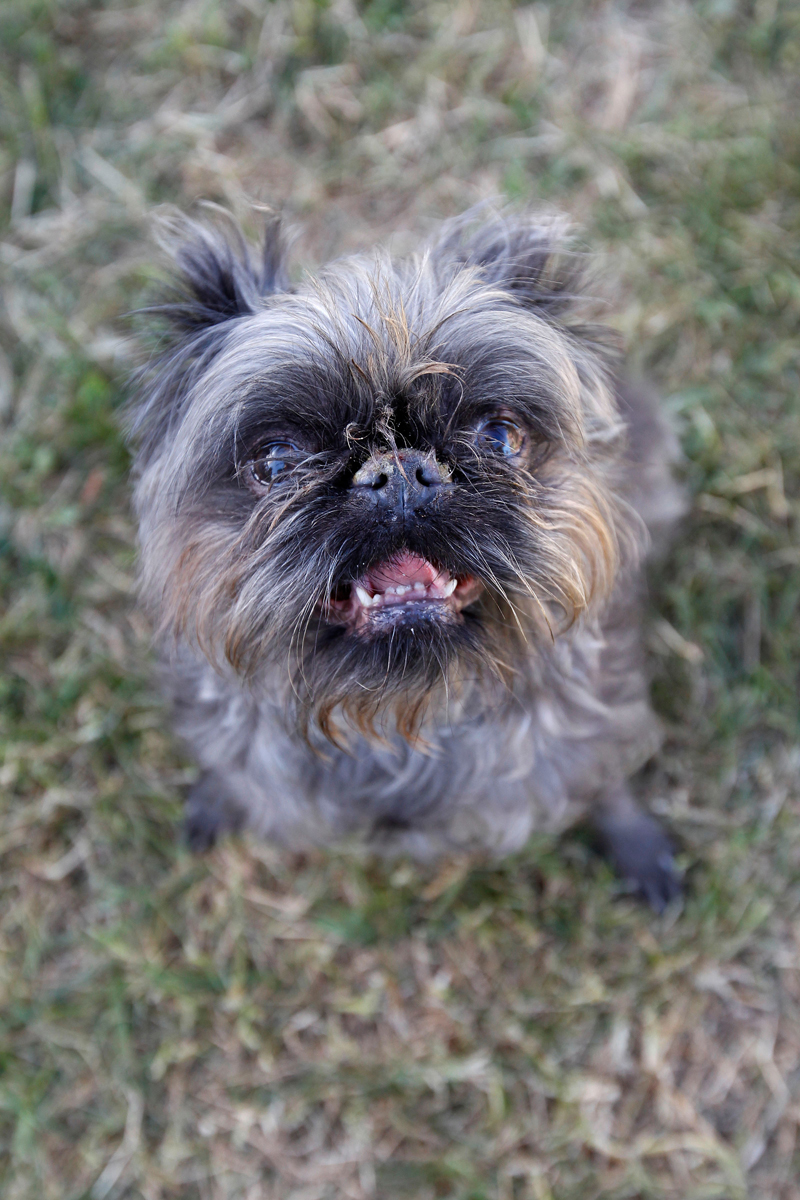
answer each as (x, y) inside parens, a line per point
(210, 813)
(201, 830)
(642, 854)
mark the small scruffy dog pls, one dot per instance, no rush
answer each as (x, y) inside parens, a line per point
(392, 528)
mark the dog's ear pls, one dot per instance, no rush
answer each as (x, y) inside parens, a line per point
(219, 277)
(526, 255)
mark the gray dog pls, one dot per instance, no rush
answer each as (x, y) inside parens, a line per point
(392, 527)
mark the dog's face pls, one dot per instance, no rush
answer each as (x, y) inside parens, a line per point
(382, 482)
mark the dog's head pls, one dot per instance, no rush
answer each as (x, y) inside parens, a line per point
(383, 481)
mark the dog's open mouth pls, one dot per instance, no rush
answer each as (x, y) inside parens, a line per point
(404, 590)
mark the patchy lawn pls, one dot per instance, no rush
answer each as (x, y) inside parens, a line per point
(252, 1026)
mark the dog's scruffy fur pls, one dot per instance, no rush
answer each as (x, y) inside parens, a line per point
(441, 424)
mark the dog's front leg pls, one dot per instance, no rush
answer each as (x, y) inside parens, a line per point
(211, 811)
(636, 846)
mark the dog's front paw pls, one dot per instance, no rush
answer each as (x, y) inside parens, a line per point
(210, 813)
(642, 854)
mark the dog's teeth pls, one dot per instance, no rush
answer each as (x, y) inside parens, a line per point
(389, 591)
(419, 586)
(364, 597)
(402, 588)
(449, 588)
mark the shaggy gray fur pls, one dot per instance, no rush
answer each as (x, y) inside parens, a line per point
(451, 729)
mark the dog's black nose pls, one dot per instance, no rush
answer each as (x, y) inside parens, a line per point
(403, 482)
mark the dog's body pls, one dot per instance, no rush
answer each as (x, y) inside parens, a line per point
(392, 526)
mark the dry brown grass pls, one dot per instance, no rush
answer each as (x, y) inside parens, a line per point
(247, 1026)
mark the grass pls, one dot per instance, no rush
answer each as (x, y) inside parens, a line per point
(253, 1026)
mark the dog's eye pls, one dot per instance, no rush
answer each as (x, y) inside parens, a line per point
(501, 437)
(273, 460)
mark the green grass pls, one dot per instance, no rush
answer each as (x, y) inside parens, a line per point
(261, 1027)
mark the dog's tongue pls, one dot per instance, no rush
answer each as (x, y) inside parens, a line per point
(404, 571)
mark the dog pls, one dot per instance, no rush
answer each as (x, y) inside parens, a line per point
(393, 520)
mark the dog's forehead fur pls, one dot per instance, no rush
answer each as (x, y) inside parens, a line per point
(345, 348)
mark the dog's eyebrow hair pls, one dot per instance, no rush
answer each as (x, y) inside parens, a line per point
(356, 369)
(372, 332)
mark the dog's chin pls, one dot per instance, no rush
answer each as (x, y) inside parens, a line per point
(404, 594)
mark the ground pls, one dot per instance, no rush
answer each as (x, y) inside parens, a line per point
(246, 1025)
